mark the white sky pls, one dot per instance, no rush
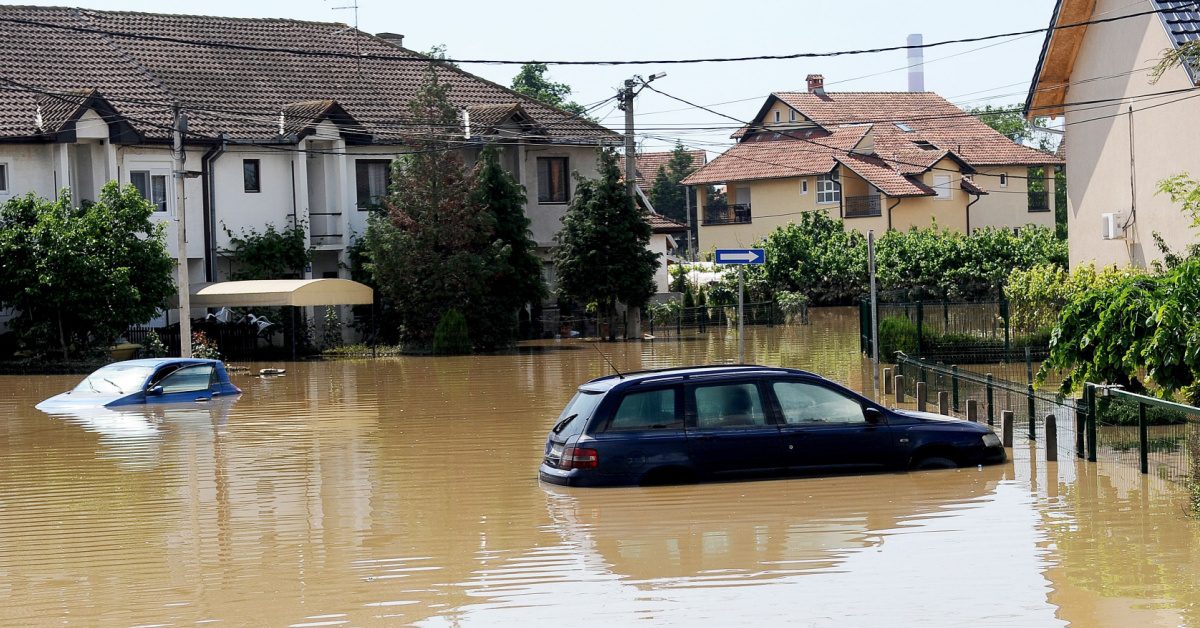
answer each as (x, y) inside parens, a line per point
(996, 72)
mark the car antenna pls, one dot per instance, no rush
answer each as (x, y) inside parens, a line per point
(614, 366)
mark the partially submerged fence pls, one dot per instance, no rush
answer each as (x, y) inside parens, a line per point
(1107, 423)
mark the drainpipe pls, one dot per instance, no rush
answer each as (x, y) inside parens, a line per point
(890, 208)
(210, 208)
(977, 197)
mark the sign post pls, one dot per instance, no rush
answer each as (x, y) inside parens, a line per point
(740, 258)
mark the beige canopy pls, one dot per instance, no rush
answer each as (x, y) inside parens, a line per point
(277, 292)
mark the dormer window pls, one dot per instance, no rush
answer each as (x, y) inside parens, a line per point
(924, 145)
(777, 117)
(792, 115)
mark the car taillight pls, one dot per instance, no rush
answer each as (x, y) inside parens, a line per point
(579, 458)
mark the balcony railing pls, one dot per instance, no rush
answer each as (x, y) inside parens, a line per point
(728, 215)
(1039, 201)
(325, 227)
(861, 206)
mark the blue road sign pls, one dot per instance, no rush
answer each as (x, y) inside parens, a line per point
(741, 256)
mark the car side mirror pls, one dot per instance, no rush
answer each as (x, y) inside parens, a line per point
(873, 415)
(154, 391)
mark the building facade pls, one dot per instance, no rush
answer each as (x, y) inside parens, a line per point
(876, 160)
(1125, 131)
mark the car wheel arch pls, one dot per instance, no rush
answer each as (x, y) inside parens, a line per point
(929, 453)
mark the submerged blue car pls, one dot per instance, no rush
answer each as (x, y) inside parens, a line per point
(159, 380)
(717, 422)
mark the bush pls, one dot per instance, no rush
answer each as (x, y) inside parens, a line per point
(204, 347)
(450, 337)
(897, 334)
(154, 347)
(1118, 411)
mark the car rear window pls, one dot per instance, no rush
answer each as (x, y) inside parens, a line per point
(577, 413)
(649, 409)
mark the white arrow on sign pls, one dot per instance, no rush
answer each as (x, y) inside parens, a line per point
(740, 256)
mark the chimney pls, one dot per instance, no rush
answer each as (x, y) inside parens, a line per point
(396, 39)
(916, 63)
(816, 84)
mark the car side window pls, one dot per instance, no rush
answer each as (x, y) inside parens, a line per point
(802, 403)
(188, 379)
(729, 406)
(648, 409)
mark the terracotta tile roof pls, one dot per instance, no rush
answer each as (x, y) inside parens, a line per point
(661, 224)
(649, 163)
(877, 172)
(763, 156)
(239, 92)
(969, 186)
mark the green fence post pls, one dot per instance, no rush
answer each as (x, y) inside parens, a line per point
(1080, 421)
(1143, 438)
(954, 386)
(920, 330)
(990, 404)
(1032, 413)
(1092, 420)
(1028, 367)
(1004, 315)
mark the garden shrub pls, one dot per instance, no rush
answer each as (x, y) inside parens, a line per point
(450, 337)
(897, 333)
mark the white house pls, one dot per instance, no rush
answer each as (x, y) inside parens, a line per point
(290, 123)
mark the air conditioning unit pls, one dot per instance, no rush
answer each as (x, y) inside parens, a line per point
(1112, 226)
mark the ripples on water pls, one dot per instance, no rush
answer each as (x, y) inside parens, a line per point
(404, 491)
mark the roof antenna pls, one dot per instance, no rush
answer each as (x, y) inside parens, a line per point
(614, 366)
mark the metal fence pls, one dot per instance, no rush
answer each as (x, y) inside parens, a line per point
(681, 323)
(1107, 423)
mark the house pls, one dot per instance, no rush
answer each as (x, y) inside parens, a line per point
(1126, 132)
(648, 165)
(877, 160)
(289, 123)
(665, 235)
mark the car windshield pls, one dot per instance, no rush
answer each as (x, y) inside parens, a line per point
(116, 378)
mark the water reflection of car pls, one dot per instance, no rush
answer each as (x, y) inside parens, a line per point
(148, 381)
(679, 425)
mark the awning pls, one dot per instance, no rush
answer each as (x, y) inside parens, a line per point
(279, 292)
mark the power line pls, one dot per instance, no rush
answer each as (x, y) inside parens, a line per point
(607, 62)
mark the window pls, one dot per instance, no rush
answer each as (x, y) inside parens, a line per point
(370, 180)
(829, 189)
(651, 409)
(802, 402)
(804, 186)
(777, 116)
(153, 187)
(792, 115)
(941, 185)
(3, 178)
(553, 185)
(250, 178)
(188, 379)
(729, 405)
(1004, 180)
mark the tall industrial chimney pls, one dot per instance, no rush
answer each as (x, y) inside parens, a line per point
(916, 63)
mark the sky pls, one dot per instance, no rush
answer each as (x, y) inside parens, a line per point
(994, 72)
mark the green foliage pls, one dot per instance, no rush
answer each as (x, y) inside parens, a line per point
(450, 241)
(153, 347)
(689, 301)
(450, 337)
(897, 334)
(332, 333)
(532, 81)
(602, 255)
(794, 306)
(270, 254)
(437, 52)
(664, 313)
(1187, 54)
(204, 347)
(817, 257)
(667, 194)
(80, 276)
(702, 303)
(1011, 123)
(1121, 411)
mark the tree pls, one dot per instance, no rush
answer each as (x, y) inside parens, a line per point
(1009, 122)
(602, 256)
(437, 52)
(516, 275)
(270, 254)
(80, 276)
(533, 82)
(667, 194)
(430, 251)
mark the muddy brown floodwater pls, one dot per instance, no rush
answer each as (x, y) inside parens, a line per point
(397, 491)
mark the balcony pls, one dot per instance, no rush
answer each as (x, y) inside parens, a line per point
(861, 206)
(728, 215)
(325, 228)
(1039, 201)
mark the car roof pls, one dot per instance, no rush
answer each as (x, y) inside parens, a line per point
(609, 382)
(156, 362)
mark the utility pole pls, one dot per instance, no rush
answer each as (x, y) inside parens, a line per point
(185, 300)
(625, 98)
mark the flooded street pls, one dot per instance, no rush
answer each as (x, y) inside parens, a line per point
(404, 490)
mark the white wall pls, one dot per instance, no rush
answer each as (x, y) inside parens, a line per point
(659, 245)
(545, 220)
(31, 168)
